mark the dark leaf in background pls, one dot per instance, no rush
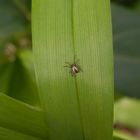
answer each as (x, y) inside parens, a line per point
(125, 2)
(126, 29)
(12, 20)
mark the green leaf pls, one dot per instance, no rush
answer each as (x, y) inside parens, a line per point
(21, 84)
(17, 79)
(122, 136)
(81, 106)
(26, 57)
(5, 75)
(127, 112)
(6, 134)
(21, 117)
(126, 26)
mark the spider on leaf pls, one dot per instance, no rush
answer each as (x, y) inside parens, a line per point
(74, 67)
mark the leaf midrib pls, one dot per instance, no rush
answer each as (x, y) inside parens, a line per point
(75, 80)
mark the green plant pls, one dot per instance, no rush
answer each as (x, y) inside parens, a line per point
(77, 107)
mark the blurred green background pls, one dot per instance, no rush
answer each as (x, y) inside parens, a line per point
(17, 76)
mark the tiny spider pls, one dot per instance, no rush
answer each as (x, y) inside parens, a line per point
(74, 67)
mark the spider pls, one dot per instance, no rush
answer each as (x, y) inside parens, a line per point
(74, 67)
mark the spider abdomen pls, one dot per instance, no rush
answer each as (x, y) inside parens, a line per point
(74, 69)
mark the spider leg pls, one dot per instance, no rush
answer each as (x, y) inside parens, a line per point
(67, 66)
(76, 60)
(68, 63)
(72, 74)
(80, 69)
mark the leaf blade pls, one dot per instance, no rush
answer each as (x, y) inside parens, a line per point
(6, 134)
(21, 117)
(53, 45)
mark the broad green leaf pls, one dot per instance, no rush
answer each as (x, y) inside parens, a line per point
(24, 6)
(126, 26)
(21, 117)
(76, 107)
(6, 134)
(127, 112)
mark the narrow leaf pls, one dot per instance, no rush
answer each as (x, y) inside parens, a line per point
(76, 107)
(6, 134)
(21, 84)
(21, 117)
